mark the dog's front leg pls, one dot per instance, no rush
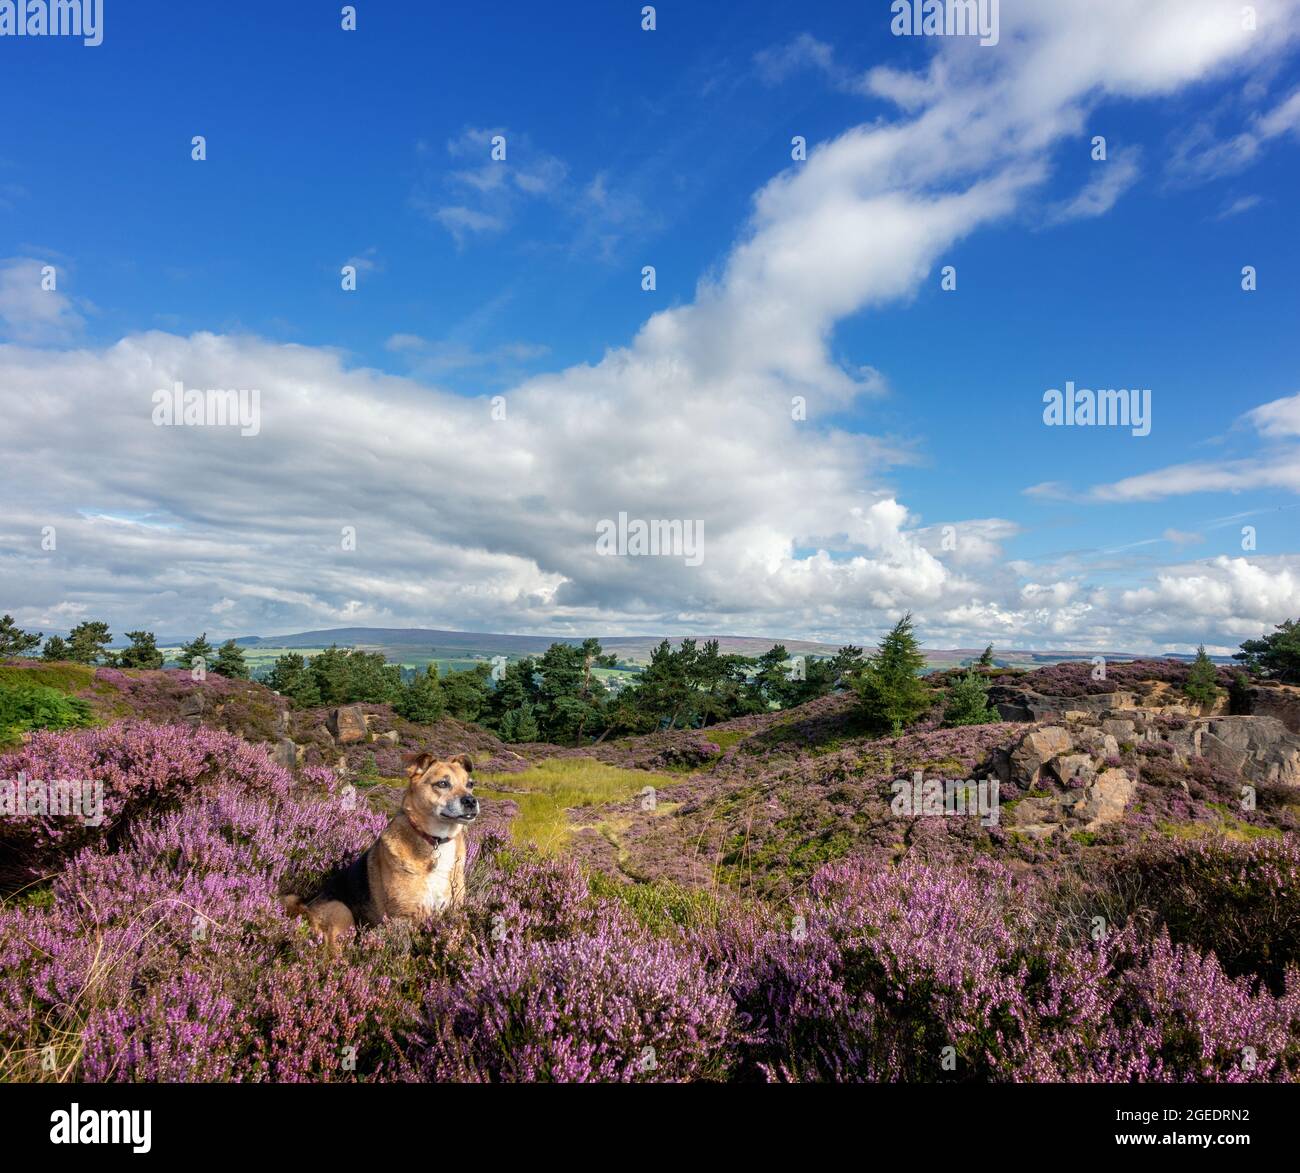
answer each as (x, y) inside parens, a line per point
(457, 886)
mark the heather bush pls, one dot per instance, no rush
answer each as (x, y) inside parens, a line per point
(1176, 1017)
(1241, 900)
(141, 767)
(611, 1004)
(1075, 677)
(879, 971)
(172, 696)
(678, 750)
(170, 958)
(160, 951)
(534, 899)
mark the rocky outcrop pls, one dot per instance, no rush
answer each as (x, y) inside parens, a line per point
(1106, 799)
(1260, 749)
(1274, 700)
(1036, 749)
(1023, 704)
(288, 753)
(348, 724)
(192, 708)
(1103, 799)
(1074, 782)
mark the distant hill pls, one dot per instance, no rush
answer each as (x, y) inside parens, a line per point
(422, 644)
(403, 642)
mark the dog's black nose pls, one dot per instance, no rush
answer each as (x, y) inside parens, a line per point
(471, 803)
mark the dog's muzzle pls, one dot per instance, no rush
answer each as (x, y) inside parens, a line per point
(466, 809)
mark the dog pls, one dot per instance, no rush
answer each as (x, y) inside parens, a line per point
(417, 865)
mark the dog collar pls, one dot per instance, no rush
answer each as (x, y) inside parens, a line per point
(423, 834)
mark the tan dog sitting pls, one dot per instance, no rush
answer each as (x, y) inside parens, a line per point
(416, 867)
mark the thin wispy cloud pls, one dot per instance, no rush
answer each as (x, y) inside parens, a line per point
(1114, 177)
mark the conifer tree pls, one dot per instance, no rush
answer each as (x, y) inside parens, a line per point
(230, 661)
(890, 689)
(968, 702)
(1202, 680)
(198, 649)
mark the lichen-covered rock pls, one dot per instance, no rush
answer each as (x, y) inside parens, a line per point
(1096, 741)
(286, 753)
(1036, 749)
(1261, 749)
(1072, 769)
(348, 724)
(1035, 817)
(1106, 799)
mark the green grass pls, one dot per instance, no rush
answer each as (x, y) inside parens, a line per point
(66, 678)
(943, 768)
(546, 790)
(724, 739)
(1229, 825)
(660, 904)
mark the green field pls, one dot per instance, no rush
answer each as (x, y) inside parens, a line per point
(462, 651)
(261, 659)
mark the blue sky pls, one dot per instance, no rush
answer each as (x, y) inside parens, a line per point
(523, 278)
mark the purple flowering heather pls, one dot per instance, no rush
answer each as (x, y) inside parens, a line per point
(611, 1004)
(142, 767)
(187, 909)
(920, 973)
(160, 951)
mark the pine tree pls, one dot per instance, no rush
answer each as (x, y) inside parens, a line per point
(87, 641)
(1275, 656)
(56, 648)
(291, 676)
(520, 725)
(198, 649)
(230, 661)
(421, 699)
(466, 692)
(968, 702)
(771, 686)
(143, 652)
(14, 641)
(986, 658)
(1202, 679)
(891, 692)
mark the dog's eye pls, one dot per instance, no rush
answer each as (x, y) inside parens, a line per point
(444, 783)
(469, 783)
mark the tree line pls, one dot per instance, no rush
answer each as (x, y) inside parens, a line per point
(560, 697)
(87, 643)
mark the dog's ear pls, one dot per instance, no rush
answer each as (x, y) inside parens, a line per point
(417, 763)
(463, 759)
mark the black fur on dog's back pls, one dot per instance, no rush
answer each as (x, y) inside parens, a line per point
(350, 885)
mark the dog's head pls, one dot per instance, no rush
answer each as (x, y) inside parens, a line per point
(440, 789)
